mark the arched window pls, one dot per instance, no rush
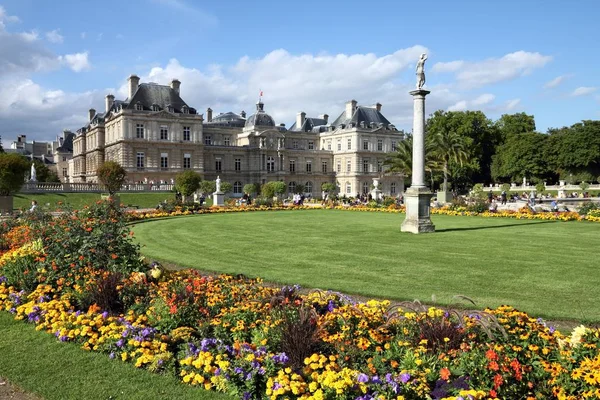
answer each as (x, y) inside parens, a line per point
(308, 187)
(365, 187)
(292, 187)
(237, 187)
(348, 187)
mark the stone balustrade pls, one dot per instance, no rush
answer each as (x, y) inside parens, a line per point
(82, 187)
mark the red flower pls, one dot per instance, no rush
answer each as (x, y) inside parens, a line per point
(498, 381)
(445, 374)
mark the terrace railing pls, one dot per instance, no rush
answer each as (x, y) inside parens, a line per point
(82, 187)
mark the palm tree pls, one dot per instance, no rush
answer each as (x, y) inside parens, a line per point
(448, 146)
(401, 161)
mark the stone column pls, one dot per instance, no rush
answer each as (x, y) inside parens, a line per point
(418, 196)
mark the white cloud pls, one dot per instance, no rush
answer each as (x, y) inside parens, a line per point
(484, 99)
(555, 82)
(29, 36)
(583, 91)
(77, 62)
(54, 36)
(477, 74)
(459, 106)
(512, 104)
(5, 18)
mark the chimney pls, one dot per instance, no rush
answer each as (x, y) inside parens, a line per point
(175, 85)
(325, 117)
(110, 100)
(92, 113)
(300, 117)
(243, 114)
(350, 108)
(378, 107)
(134, 82)
(209, 114)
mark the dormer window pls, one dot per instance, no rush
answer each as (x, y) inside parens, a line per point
(155, 107)
(139, 107)
(185, 109)
(170, 108)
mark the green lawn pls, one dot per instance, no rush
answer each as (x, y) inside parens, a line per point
(48, 201)
(37, 363)
(548, 269)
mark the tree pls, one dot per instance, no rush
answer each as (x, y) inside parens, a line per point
(300, 188)
(13, 169)
(514, 124)
(575, 151)
(226, 187)
(448, 146)
(208, 187)
(251, 188)
(43, 173)
(328, 187)
(112, 175)
(187, 182)
(401, 160)
(273, 188)
(521, 156)
(481, 139)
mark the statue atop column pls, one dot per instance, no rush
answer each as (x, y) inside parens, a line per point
(421, 71)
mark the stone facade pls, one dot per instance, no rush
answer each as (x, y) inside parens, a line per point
(154, 135)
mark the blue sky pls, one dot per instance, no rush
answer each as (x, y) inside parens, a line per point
(61, 58)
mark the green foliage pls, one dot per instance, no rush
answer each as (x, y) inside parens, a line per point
(21, 272)
(43, 173)
(505, 187)
(521, 156)
(300, 188)
(226, 187)
(112, 175)
(584, 185)
(447, 147)
(514, 124)
(587, 207)
(328, 187)
(95, 236)
(540, 188)
(252, 188)
(480, 140)
(208, 187)
(273, 188)
(575, 149)
(187, 182)
(13, 168)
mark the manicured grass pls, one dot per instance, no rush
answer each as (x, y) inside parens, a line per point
(547, 269)
(48, 201)
(37, 363)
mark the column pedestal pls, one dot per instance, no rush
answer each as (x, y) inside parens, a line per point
(218, 199)
(417, 218)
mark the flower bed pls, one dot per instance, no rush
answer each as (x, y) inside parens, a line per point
(239, 336)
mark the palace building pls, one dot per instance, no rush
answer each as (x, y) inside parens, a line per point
(154, 134)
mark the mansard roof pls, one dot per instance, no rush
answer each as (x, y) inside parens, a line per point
(361, 114)
(310, 125)
(227, 119)
(150, 94)
(67, 145)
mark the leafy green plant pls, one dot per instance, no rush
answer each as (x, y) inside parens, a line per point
(13, 168)
(112, 175)
(21, 272)
(252, 188)
(187, 182)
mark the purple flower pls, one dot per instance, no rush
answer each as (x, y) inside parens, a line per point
(276, 386)
(105, 315)
(552, 329)
(249, 376)
(280, 358)
(111, 355)
(238, 370)
(246, 396)
(330, 306)
(362, 378)
(120, 343)
(3, 279)
(405, 377)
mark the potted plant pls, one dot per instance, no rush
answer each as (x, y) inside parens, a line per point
(112, 175)
(13, 168)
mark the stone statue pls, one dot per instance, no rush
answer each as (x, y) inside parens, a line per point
(421, 71)
(218, 182)
(33, 173)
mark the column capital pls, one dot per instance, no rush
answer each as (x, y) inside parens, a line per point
(419, 92)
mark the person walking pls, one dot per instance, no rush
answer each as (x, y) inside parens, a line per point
(503, 197)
